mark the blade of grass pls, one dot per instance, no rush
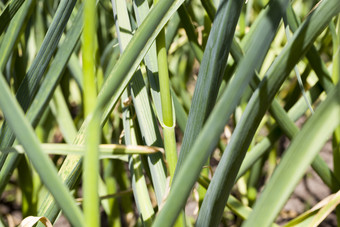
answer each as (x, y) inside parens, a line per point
(211, 72)
(312, 55)
(209, 8)
(190, 31)
(181, 115)
(297, 73)
(163, 112)
(29, 86)
(6, 47)
(140, 190)
(168, 122)
(146, 119)
(326, 81)
(110, 186)
(29, 197)
(171, 31)
(214, 202)
(141, 9)
(233, 203)
(335, 76)
(62, 114)
(148, 126)
(275, 76)
(11, 164)
(9, 12)
(111, 90)
(91, 158)
(275, 133)
(298, 157)
(41, 162)
(44, 94)
(319, 165)
(31, 81)
(106, 150)
(289, 127)
(141, 42)
(233, 153)
(11, 36)
(168, 119)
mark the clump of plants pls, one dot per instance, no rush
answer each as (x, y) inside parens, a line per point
(122, 113)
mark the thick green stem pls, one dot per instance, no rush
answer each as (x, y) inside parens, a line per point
(335, 77)
(167, 113)
(168, 121)
(164, 80)
(91, 159)
(90, 175)
(170, 149)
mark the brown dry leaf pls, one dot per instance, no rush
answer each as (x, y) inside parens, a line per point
(329, 205)
(32, 220)
(320, 211)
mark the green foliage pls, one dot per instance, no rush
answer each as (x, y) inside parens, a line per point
(99, 99)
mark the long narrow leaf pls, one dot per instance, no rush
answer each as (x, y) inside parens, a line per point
(40, 161)
(9, 12)
(146, 118)
(303, 38)
(45, 92)
(30, 83)
(211, 72)
(218, 192)
(106, 150)
(298, 157)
